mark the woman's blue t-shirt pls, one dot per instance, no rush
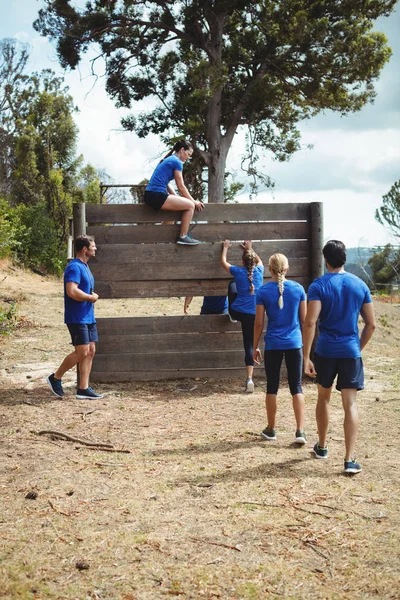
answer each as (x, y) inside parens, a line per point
(342, 296)
(164, 173)
(283, 327)
(246, 302)
(74, 311)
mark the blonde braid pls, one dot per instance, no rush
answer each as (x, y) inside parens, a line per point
(278, 263)
(280, 286)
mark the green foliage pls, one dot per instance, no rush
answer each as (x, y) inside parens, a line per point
(9, 231)
(389, 213)
(385, 264)
(40, 172)
(214, 67)
(8, 317)
(38, 242)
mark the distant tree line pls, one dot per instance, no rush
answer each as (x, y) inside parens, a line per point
(41, 174)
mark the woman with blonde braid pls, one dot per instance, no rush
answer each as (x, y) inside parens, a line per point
(284, 303)
(248, 279)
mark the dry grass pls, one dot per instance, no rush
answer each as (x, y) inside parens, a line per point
(200, 507)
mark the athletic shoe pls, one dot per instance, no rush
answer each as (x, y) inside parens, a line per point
(249, 386)
(232, 320)
(301, 437)
(320, 452)
(55, 386)
(187, 240)
(352, 467)
(88, 394)
(268, 433)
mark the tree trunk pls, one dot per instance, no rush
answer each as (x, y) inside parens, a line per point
(216, 176)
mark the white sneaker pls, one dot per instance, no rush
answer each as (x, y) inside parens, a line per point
(232, 320)
(249, 386)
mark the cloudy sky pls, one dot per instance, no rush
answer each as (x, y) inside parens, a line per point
(353, 163)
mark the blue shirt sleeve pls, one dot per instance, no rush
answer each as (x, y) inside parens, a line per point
(233, 270)
(72, 273)
(314, 292)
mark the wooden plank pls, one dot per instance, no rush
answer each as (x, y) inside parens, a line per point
(177, 271)
(205, 232)
(169, 360)
(205, 342)
(192, 374)
(174, 253)
(168, 289)
(138, 213)
(163, 324)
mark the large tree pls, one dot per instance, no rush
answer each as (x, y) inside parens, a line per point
(389, 212)
(216, 66)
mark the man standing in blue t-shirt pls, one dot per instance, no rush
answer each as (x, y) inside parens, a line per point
(336, 300)
(79, 300)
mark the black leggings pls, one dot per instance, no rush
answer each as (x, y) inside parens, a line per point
(247, 322)
(294, 365)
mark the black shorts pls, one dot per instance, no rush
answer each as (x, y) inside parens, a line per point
(155, 199)
(83, 333)
(349, 371)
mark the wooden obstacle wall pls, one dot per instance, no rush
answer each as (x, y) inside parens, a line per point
(138, 257)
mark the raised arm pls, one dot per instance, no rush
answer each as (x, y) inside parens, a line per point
(368, 316)
(224, 263)
(308, 331)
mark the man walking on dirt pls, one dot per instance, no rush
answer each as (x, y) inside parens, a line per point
(79, 300)
(335, 300)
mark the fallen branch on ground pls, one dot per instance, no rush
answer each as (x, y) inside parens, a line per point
(69, 438)
(216, 544)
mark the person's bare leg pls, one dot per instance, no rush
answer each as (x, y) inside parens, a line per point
(85, 366)
(183, 204)
(271, 405)
(298, 408)
(249, 371)
(68, 363)
(350, 424)
(322, 414)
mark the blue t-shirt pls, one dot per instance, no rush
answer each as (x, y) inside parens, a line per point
(214, 305)
(341, 295)
(246, 302)
(283, 327)
(74, 311)
(163, 173)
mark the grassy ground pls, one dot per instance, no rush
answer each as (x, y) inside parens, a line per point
(198, 506)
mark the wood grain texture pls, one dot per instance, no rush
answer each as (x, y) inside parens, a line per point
(140, 213)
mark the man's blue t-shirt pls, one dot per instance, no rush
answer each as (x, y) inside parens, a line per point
(342, 296)
(163, 173)
(246, 302)
(283, 327)
(214, 305)
(74, 311)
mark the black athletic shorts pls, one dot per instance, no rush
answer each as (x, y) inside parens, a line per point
(83, 333)
(349, 371)
(155, 199)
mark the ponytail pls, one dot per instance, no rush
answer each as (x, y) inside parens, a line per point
(250, 260)
(178, 146)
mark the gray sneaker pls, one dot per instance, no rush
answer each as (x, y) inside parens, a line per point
(269, 434)
(301, 437)
(187, 240)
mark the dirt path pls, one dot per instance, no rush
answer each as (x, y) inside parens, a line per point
(200, 507)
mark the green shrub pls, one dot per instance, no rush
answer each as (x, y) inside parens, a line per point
(8, 318)
(36, 243)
